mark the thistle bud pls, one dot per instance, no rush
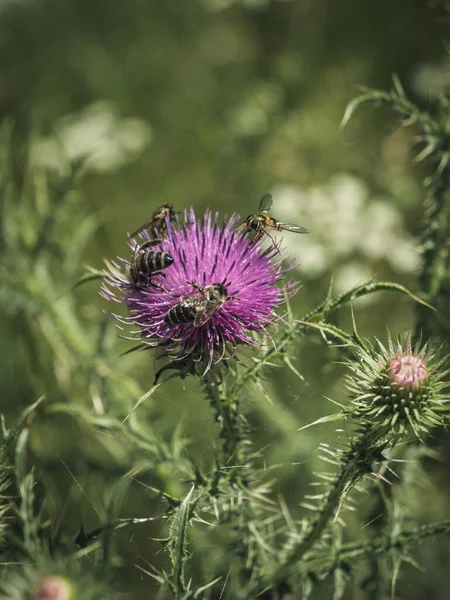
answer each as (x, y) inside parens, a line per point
(53, 580)
(397, 390)
(407, 370)
(54, 588)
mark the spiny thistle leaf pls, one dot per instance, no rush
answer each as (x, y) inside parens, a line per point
(324, 561)
(199, 591)
(327, 331)
(13, 471)
(30, 522)
(275, 353)
(433, 135)
(364, 289)
(9, 436)
(178, 541)
(324, 419)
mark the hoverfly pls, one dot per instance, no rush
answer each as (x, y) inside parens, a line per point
(146, 262)
(261, 221)
(198, 306)
(158, 221)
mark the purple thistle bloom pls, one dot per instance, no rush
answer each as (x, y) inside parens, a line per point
(206, 253)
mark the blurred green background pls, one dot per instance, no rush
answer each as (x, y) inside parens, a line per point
(209, 103)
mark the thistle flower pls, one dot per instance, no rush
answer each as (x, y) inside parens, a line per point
(54, 588)
(233, 280)
(54, 580)
(398, 389)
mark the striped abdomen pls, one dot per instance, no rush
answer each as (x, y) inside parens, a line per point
(154, 260)
(183, 312)
(146, 262)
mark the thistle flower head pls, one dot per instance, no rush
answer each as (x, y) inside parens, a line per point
(54, 588)
(407, 370)
(397, 390)
(58, 579)
(219, 290)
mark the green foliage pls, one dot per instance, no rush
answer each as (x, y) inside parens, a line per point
(433, 137)
(196, 486)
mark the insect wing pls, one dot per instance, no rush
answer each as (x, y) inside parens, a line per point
(265, 204)
(151, 243)
(140, 229)
(196, 302)
(157, 220)
(204, 315)
(291, 227)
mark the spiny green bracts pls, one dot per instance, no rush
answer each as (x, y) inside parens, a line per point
(398, 390)
(54, 580)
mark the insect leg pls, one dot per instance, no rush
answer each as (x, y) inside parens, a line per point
(197, 287)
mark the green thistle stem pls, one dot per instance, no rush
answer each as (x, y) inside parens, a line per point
(356, 463)
(434, 274)
(326, 561)
(379, 574)
(226, 411)
(434, 136)
(315, 316)
(318, 525)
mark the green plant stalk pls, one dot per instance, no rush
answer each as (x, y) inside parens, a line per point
(435, 139)
(226, 413)
(379, 575)
(177, 546)
(314, 316)
(434, 275)
(327, 562)
(317, 526)
(356, 463)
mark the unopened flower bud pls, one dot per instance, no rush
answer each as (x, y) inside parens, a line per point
(407, 370)
(396, 390)
(54, 588)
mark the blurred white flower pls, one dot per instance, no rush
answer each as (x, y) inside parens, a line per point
(311, 258)
(406, 255)
(379, 223)
(432, 79)
(344, 223)
(96, 134)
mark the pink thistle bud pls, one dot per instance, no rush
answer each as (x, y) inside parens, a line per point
(54, 588)
(408, 371)
(398, 390)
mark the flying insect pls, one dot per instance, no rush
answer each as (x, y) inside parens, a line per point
(198, 306)
(261, 221)
(158, 221)
(146, 262)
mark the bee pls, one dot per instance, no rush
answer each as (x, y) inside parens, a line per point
(146, 262)
(198, 306)
(158, 221)
(261, 221)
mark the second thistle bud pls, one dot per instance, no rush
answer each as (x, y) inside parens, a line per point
(54, 588)
(407, 371)
(397, 390)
